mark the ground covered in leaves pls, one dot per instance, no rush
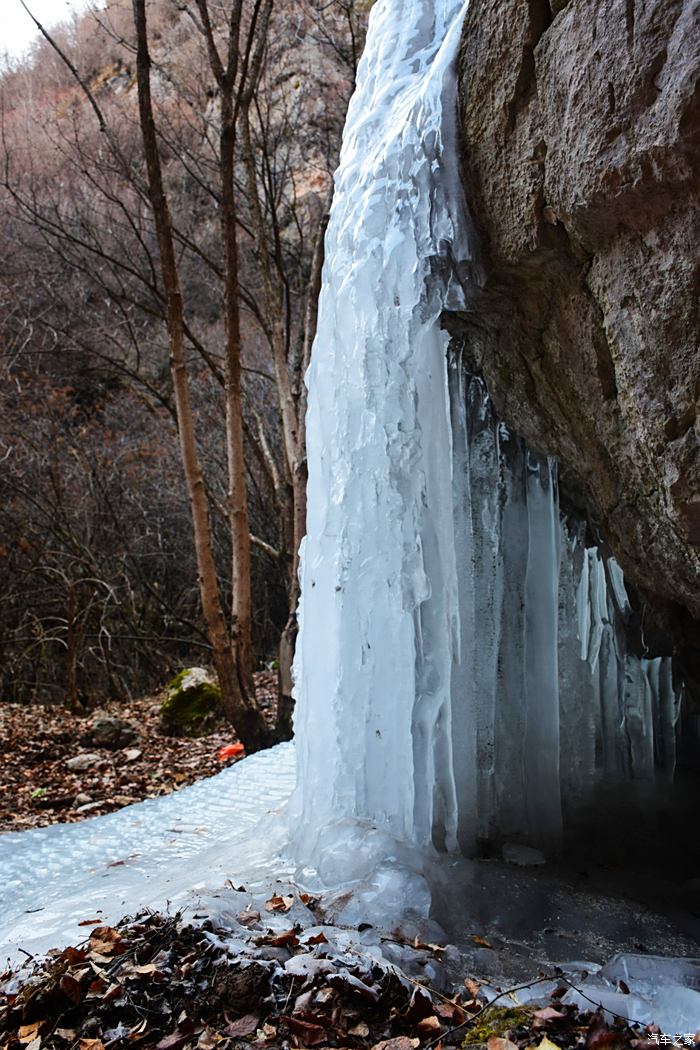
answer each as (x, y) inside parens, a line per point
(38, 786)
(156, 982)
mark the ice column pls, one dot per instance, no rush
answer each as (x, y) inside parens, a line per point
(380, 609)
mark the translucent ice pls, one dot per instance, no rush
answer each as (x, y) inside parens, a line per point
(463, 669)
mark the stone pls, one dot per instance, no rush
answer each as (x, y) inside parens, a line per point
(110, 731)
(581, 164)
(131, 754)
(79, 763)
(88, 807)
(192, 705)
(81, 799)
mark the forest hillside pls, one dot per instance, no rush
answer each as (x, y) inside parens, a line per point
(98, 565)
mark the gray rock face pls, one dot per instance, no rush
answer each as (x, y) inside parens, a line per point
(581, 159)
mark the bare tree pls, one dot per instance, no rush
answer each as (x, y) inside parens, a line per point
(229, 146)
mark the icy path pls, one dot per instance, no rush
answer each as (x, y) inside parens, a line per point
(144, 855)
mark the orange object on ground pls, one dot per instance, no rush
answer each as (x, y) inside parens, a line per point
(231, 751)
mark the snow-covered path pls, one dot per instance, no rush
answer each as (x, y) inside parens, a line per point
(148, 854)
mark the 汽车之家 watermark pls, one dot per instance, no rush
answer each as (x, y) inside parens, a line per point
(679, 1039)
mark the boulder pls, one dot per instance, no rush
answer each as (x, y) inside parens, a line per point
(85, 761)
(109, 731)
(192, 706)
(580, 123)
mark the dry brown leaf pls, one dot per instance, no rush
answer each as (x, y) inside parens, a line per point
(311, 1034)
(495, 1042)
(361, 1030)
(91, 1044)
(481, 941)
(248, 918)
(278, 903)
(429, 1026)
(547, 1044)
(450, 1013)
(28, 1032)
(173, 1041)
(70, 988)
(105, 941)
(436, 948)
(244, 1026)
(346, 982)
(547, 1013)
(473, 987)
(283, 940)
(208, 1039)
(318, 938)
(401, 1042)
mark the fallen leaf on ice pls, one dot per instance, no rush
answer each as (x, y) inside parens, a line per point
(283, 940)
(318, 938)
(248, 918)
(277, 903)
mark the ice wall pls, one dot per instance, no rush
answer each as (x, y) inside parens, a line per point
(380, 606)
(455, 639)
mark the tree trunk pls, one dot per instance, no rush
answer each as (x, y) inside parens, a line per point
(247, 719)
(299, 480)
(242, 602)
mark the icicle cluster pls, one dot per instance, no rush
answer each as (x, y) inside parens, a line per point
(559, 702)
(454, 640)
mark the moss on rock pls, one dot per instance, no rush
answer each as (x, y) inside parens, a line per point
(497, 1020)
(192, 706)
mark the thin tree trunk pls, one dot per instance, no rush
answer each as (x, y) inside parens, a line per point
(242, 601)
(243, 714)
(300, 475)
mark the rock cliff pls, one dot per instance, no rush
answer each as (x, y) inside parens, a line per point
(581, 164)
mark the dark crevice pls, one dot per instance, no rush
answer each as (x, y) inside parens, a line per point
(540, 18)
(629, 22)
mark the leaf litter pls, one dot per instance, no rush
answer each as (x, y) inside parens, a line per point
(38, 787)
(154, 981)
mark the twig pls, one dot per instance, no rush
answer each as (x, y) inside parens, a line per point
(517, 988)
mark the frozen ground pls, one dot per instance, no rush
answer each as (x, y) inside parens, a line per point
(196, 847)
(144, 855)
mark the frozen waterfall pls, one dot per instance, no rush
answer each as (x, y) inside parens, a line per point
(462, 667)
(467, 671)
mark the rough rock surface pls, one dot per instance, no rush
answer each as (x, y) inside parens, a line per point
(192, 705)
(110, 731)
(581, 136)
